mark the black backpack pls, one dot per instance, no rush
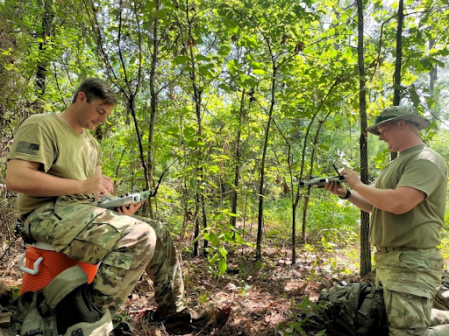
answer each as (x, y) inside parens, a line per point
(355, 309)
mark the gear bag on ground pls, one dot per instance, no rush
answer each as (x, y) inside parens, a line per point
(64, 307)
(355, 309)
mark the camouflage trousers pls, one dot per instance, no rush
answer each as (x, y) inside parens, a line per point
(124, 247)
(409, 279)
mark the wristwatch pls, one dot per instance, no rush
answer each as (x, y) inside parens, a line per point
(348, 194)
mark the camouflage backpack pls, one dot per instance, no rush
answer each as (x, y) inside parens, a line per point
(64, 307)
(355, 309)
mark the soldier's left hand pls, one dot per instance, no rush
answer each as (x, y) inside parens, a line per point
(129, 209)
(351, 177)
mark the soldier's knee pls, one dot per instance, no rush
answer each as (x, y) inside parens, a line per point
(146, 237)
(159, 228)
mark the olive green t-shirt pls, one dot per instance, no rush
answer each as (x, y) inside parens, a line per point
(425, 170)
(44, 138)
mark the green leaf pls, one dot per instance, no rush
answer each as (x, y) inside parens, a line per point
(231, 25)
(204, 69)
(202, 58)
(213, 238)
(250, 42)
(181, 59)
(414, 97)
(174, 130)
(225, 88)
(250, 82)
(224, 50)
(215, 169)
(238, 239)
(442, 52)
(223, 251)
(256, 65)
(259, 72)
(222, 266)
(232, 66)
(194, 143)
(215, 257)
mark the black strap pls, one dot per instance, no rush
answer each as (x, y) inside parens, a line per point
(348, 194)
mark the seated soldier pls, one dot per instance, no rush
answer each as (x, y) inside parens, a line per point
(54, 164)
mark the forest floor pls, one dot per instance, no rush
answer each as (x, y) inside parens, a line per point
(252, 298)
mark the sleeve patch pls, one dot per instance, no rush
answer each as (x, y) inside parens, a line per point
(27, 148)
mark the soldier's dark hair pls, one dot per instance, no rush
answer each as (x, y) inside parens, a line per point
(95, 88)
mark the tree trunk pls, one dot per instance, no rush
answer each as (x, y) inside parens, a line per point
(398, 64)
(154, 100)
(433, 74)
(262, 168)
(237, 163)
(43, 62)
(312, 162)
(200, 201)
(365, 248)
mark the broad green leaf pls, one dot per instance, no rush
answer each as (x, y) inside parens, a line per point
(256, 65)
(202, 58)
(181, 59)
(250, 41)
(223, 251)
(414, 97)
(250, 82)
(216, 256)
(222, 266)
(213, 238)
(232, 66)
(231, 25)
(224, 50)
(225, 87)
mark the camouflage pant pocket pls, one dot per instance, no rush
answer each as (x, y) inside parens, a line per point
(119, 259)
(408, 314)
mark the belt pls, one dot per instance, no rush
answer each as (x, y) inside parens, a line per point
(390, 249)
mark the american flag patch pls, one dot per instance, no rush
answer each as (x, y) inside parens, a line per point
(27, 148)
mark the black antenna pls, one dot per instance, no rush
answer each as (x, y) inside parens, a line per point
(336, 170)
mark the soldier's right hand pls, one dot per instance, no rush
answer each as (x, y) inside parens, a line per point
(99, 185)
(336, 188)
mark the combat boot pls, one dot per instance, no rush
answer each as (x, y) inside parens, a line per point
(185, 319)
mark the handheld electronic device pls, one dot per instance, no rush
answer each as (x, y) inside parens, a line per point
(321, 181)
(131, 198)
(134, 198)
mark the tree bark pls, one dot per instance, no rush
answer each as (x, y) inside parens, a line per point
(398, 64)
(433, 75)
(365, 248)
(43, 62)
(153, 101)
(262, 167)
(234, 194)
(197, 97)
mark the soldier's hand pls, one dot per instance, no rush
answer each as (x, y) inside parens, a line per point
(351, 177)
(336, 188)
(129, 209)
(99, 185)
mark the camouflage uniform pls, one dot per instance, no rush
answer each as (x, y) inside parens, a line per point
(408, 264)
(124, 247)
(409, 279)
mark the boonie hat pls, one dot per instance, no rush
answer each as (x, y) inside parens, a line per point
(406, 112)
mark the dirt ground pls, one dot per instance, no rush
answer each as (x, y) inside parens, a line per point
(253, 298)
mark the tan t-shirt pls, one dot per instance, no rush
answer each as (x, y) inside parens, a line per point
(423, 169)
(44, 138)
